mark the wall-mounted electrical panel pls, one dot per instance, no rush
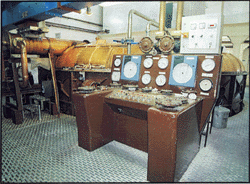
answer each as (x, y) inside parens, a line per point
(201, 34)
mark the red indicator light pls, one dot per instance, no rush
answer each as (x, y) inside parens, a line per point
(211, 25)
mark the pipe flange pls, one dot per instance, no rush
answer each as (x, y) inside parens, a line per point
(166, 44)
(146, 44)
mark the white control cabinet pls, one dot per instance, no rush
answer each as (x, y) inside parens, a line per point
(201, 34)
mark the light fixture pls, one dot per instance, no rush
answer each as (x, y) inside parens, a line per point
(88, 12)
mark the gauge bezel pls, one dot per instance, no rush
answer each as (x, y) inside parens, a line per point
(206, 79)
(151, 64)
(204, 67)
(115, 62)
(165, 65)
(143, 78)
(157, 80)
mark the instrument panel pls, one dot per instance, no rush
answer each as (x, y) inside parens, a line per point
(199, 73)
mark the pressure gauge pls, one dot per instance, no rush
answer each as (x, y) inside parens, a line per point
(208, 65)
(163, 63)
(116, 76)
(160, 80)
(117, 62)
(146, 79)
(130, 69)
(206, 84)
(148, 62)
(182, 73)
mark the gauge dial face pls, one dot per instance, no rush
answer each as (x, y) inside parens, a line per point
(146, 79)
(161, 80)
(130, 69)
(182, 73)
(206, 84)
(117, 62)
(163, 63)
(208, 65)
(116, 76)
(148, 62)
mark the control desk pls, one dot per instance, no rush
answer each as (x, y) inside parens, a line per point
(157, 104)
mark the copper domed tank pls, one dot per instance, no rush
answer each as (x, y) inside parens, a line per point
(232, 85)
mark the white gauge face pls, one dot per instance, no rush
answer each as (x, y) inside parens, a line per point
(148, 62)
(130, 69)
(117, 62)
(146, 79)
(161, 80)
(205, 84)
(116, 76)
(163, 63)
(182, 73)
(208, 65)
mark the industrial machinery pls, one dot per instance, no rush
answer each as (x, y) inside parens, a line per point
(158, 104)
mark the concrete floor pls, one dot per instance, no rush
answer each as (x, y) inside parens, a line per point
(48, 151)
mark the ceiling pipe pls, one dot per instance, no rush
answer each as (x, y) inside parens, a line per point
(180, 5)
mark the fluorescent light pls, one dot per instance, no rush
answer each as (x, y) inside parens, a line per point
(110, 3)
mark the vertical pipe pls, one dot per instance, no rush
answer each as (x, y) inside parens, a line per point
(162, 16)
(180, 5)
(24, 61)
(129, 34)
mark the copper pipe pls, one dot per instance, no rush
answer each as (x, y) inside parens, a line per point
(24, 61)
(40, 46)
(180, 5)
(162, 16)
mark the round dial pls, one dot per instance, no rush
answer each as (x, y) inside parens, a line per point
(116, 76)
(182, 73)
(208, 65)
(160, 80)
(146, 79)
(206, 84)
(130, 69)
(117, 62)
(148, 62)
(163, 63)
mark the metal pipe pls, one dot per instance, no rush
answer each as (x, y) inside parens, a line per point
(129, 33)
(180, 5)
(162, 16)
(24, 61)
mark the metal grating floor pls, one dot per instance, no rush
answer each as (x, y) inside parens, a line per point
(47, 151)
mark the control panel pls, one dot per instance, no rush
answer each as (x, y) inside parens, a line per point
(179, 73)
(201, 34)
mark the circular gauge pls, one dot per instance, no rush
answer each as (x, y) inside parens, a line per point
(146, 79)
(148, 62)
(206, 84)
(163, 63)
(130, 69)
(208, 65)
(116, 76)
(117, 62)
(160, 80)
(192, 96)
(182, 73)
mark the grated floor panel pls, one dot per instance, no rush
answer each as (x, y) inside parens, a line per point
(48, 151)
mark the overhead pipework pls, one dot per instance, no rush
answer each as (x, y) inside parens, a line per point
(165, 42)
